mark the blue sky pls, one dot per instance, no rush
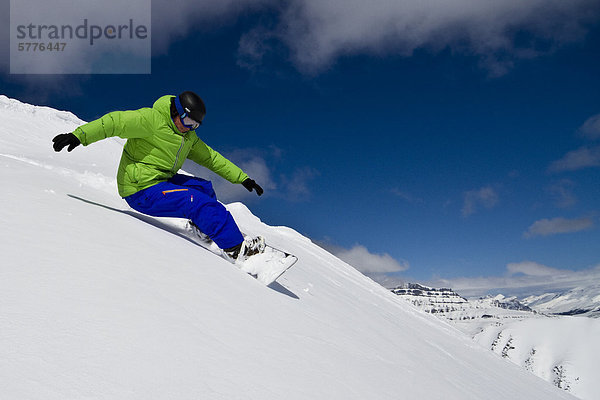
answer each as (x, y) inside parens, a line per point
(455, 143)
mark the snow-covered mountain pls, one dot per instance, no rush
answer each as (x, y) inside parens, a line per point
(432, 300)
(562, 350)
(98, 302)
(582, 301)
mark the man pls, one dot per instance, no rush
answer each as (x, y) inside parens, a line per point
(159, 139)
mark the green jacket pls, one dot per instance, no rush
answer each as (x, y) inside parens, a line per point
(155, 149)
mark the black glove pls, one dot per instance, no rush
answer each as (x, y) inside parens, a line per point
(65, 139)
(250, 184)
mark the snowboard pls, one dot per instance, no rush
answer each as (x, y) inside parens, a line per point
(266, 267)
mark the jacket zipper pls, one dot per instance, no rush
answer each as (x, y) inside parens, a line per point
(177, 156)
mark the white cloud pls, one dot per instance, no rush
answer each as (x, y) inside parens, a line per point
(584, 157)
(368, 263)
(591, 128)
(485, 197)
(563, 193)
(546, 227)
(531, 268)
(199, 15)
(317, 32)
(405, 196)
(260, 165)
(254, 46)
(523, 278)
(297, 186)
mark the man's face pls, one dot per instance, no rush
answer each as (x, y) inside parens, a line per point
(179, 125)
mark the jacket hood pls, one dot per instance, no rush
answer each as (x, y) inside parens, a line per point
(163, 106)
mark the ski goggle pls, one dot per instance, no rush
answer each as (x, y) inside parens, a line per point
(186, 120)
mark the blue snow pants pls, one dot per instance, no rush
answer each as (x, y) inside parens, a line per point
(189, 197)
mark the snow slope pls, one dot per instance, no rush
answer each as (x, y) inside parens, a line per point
(97, 302)
(561, 350)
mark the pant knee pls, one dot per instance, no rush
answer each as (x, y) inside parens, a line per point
(214, 220)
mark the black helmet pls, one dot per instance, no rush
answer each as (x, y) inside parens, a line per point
(189, 104)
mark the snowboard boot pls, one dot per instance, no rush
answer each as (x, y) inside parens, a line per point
(249, 247)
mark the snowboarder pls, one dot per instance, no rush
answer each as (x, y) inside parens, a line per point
(159, 139)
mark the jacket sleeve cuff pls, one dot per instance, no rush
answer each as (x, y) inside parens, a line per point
(80, 134)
